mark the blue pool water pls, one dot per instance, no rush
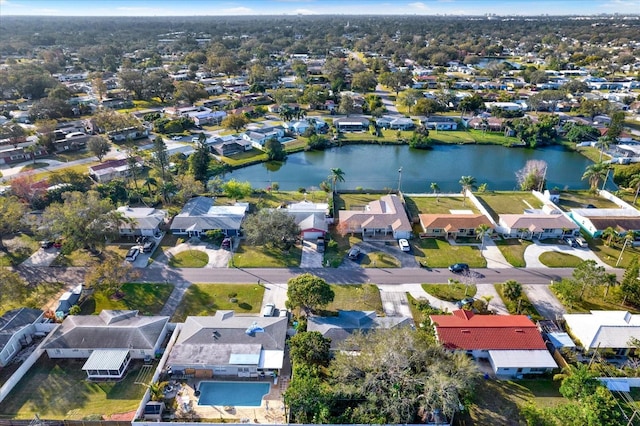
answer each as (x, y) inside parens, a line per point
(237, 394)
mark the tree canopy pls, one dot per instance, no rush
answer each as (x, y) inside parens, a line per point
(308, 292)
(273, 228)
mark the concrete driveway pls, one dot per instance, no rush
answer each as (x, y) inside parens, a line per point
(495, 302)
(407, 259)
(394, 302)
(533, 252)
(310, 256)
(544, 301)
(42, 257)
(218, 257)
(276, 294)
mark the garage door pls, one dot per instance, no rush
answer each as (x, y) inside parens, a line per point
(311, 235)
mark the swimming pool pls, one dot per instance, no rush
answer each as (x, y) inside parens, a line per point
(237, 394)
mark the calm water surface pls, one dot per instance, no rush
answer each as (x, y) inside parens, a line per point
(377, 167)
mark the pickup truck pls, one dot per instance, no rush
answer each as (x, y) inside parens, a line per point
(320, 244)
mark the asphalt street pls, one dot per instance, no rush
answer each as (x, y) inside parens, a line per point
(531, 276)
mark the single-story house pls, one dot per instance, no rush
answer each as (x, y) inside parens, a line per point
(594, 221)
(108, 341)
(68, 300)
(144, 221)
(436, 122)
(395, 123)
(512, 343)
(536, 225)
(452, 225)
(493, 124)
(228, 145)
(112, 169)
(381, 219)
(17, 329)
(210, 117)
(339, 328)
(505, 106)
(604, 330)
(312, 218)
(259, 137)
(200, 215)
(229, 345)
(12, 154)
(351, 124)
(130, 133)
(300, 126)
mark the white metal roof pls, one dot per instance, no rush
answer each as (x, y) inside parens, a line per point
(606, 329)
(271, 359)
(106, 359)
(522, 359)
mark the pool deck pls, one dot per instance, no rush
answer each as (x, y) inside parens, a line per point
(270, 411)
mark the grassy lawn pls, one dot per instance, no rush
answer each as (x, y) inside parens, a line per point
(247, 256)
(83, 258)
(275, 199)
(438, 253)
(471, 137)
(594, 300)
(554, 259)
(189, 259)
(58, 389)
(20, 247)
(80, 168)
(450, 292)
(498, 203)
(364, 297)
(148, 298)
(34, 166)
(610, 254)
(167, 242)
(519, 307)
(497, 402)
(245, 157)
(206, 299)
(354, 201)
(580, 199)
(378, 259)
(37, 296)
(437, 205)
(338, 247)
(513, 250)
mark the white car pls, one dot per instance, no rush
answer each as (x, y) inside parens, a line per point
(268, 310)
(176, 138)
(404, 244)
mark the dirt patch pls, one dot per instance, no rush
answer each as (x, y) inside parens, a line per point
(129, 416)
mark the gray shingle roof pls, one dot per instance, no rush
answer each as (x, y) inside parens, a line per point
(112, 329)
(212, 340)
(14, 321)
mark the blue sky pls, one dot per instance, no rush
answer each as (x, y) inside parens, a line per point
(313, 7)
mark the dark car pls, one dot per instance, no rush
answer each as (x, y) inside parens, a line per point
(46, 244)
(459, 268)
(226, 243)
(354, 253)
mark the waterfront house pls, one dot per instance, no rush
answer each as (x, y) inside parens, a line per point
(385, 218)
(200, 214)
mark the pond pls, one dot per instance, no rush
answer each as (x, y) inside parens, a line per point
(391, 166)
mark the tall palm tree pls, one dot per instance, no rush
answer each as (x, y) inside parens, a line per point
(596, 173)
(436, 190)
(603, 143)
(337, 175)
(482, 231)
(468, 183)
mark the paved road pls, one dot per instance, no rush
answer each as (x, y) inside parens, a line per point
(532, 276)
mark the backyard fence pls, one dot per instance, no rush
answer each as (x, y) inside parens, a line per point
(44, 422)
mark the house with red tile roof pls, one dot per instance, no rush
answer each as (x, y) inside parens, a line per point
(512, 344)
(452, 225)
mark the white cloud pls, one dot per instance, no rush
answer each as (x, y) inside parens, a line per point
(419, 6)
(237, 11)
(304, 12)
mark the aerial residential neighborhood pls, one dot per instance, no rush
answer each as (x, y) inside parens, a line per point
(312, 212)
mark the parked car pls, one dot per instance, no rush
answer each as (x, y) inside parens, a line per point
(320, 244)
(176, 138)
(459, 268)
(582, 242)
(148, 246)
(268, 310)
(570, 241)
(404, 244)
(132, 254)
(354, 253)
(57, 244)
(46, 244)
(226, 243)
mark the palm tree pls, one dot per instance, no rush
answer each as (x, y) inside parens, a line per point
(337, 175)
(635, 182)
(150, 181)
(596, 173)
(603, 143)
(436, 190)
(482, 231)
(609, 234)
(468, 183)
